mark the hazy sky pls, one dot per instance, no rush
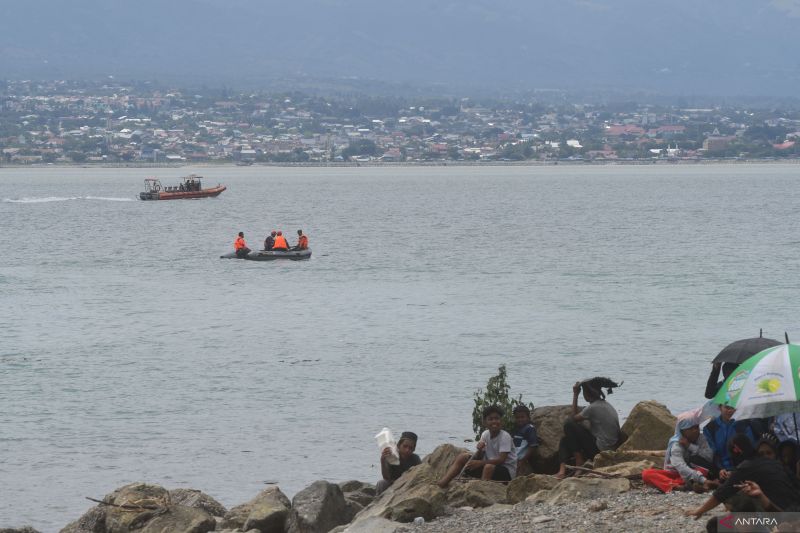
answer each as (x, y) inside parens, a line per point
(680, 46)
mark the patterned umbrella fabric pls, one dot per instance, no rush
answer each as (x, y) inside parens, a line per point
(765, 385)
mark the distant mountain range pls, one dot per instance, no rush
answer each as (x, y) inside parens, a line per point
(725, 47)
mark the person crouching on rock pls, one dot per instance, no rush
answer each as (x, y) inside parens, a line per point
(405, 449)
(581, 443)
(496, 456)
(240, 246)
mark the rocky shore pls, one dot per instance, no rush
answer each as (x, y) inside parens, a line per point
(608, 498)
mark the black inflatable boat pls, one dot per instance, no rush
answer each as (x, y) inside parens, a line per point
(271, 255)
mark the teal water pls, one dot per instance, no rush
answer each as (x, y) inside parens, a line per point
(129, 351)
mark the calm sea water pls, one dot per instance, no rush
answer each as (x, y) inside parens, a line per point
(129, 351)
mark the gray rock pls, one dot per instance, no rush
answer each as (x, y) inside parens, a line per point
(522, 487)
(197, 500)
(476, 494)
(267, 512)
(577, 489)
(23, 529)
(123, 520)
(649, 426)
(92, 521)
(180, 519)
(318, 508)
(373, 524)
(549, 422)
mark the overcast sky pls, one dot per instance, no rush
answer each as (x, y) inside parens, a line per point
(678, 47)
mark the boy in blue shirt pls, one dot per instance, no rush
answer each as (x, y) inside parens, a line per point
(525, 439)
(719, 432)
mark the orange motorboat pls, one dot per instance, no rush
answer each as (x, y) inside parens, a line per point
(190, 187)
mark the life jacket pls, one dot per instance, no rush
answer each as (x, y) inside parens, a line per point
(280, 243)
(302, 243)
(239, 243)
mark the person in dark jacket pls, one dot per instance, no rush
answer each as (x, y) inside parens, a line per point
(719, 433)
(269, 242)
(405, 449)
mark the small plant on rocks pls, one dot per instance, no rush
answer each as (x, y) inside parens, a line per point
(496, 393)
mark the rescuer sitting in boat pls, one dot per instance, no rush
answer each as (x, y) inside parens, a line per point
(269, 242)
(240, 246)
(280, 243)
(302, 241)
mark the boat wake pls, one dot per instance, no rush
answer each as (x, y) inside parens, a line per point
(48, 199)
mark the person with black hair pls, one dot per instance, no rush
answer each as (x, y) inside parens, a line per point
(525, 439)
(767, 475)
(719, 432)
(496, 456)
(240, 246)
(604, 433)
(405, 449)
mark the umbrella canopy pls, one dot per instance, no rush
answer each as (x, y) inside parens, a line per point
(739, 351)
(767, 384)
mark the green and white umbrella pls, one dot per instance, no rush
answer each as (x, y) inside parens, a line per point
(766, 384)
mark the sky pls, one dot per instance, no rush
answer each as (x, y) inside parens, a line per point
(686, 47)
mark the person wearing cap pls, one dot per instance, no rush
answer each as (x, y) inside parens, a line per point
(302, 241)
(604, 433)
(240, 246)
(405, 449)
(280, 242)
(269, 242)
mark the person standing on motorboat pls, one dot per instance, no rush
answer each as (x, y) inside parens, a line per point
(241, 246)
(269, 242)
(302, 241)
(280, 243)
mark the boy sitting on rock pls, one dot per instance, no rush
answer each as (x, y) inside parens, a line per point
(495, 458)
(525, 439)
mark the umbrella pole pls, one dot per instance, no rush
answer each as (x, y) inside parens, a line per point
(794, 415)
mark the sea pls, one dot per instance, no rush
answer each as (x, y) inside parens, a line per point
(130, 351)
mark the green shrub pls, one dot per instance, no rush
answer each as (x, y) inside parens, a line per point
(496, 394)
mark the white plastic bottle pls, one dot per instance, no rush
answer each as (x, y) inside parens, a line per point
(385, 439)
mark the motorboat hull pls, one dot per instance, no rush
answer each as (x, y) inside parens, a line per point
(182, 195)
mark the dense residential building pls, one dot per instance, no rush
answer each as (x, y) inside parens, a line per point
(68, 122)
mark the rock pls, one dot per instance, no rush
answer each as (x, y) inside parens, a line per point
(357, 494)
(119, 520)
(197, 500)
(522, 487)
(180, 519)
(374, 524)
(475, 494)
(649, 426)
(628, 469)
(92, 521)
(611, 457)
(415, 493)
(542, 519)
(595, 507)
(267, 511)
(582, 488)
(549, 423)
(318, 508)
(23, 529)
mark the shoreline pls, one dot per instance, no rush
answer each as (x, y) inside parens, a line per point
(226, 164)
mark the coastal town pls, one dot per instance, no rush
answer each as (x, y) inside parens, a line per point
(61, 122)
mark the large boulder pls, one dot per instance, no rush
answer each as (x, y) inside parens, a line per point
(197, 500)
(581, 488)
(92, 521)
(615, 457)
(415, 493)
(357, 494)
(373, 524)
(629, 469)
(318, 508)
(522, 487)
(180, 519)
(549, 423)
(123, 520)
(267, 511)
(476, 494)
(649, 426)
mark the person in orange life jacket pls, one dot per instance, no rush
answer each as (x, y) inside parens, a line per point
(280, 242)
(269, 242)
(240, 246)
(302, 241)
